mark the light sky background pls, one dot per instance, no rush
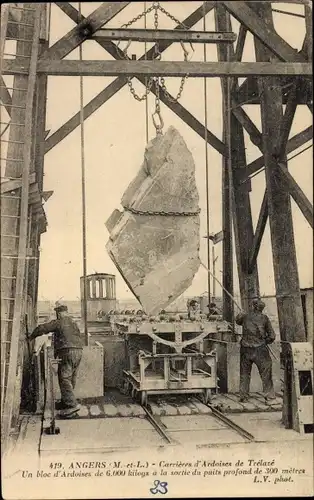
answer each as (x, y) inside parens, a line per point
(114, 149)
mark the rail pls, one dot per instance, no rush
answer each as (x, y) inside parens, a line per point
(152, 420)
(223, 418)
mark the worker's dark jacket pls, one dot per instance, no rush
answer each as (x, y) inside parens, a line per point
(257, 329)
(66, 333)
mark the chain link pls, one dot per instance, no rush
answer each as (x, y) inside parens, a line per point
(161, 212)
(159, 82)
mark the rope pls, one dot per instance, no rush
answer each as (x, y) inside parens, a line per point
(83, 190)
(206, 163)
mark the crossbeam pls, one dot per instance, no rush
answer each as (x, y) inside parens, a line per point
(297, 193)
(11, 185)
(294, 143)
(159, 68)
(258, 235)
(286, 123)
(245, 15)
(240, 43)
(120, 82)
(5, 95)
(248, 125)
(248, 91)
(152, 35)
(77, 35)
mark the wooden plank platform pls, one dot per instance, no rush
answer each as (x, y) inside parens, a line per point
(116, 405)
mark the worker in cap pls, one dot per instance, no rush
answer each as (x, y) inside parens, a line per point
(212, 310)
(257, 333)
(68, 345)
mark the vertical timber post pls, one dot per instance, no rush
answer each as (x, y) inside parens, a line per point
(288, 294)
(227, 244)
(41, 106)
(241, 206)
(227, 281)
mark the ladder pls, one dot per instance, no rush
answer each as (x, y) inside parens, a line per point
(20, 23)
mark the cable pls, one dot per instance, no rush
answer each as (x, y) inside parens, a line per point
(206, 164)
(146, 79)
(224, 289)
(83, 192)
(300, 152)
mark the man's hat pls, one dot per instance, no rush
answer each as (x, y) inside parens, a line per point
(60, 307)
(259, 304)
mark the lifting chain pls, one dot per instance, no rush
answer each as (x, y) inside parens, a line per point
(159, 83)
(156, 114)
(161, 212)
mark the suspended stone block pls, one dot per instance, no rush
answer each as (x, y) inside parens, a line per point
(154, 242)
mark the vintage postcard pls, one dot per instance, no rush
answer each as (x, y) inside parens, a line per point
(156, 250)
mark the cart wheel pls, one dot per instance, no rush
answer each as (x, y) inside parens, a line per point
(206, 396)
(143, 398)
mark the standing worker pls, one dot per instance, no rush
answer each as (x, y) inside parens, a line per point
(68, 344)
(257, 333)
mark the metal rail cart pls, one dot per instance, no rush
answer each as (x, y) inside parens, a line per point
(170, 357)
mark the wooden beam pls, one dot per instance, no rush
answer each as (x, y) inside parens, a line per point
(267, 35)
(11, 185)
(248, 91)
(240, 43)
(88, 110)
(288, 296)
(76, 36)
(189, 119)
(224, 54)
(190, 21)
(109, 91)
(248, 125)
(286, 123)
(152, 35)
(4, 26)
(294, 143)
(309, 31)
(280, 216)
(241, 205)
(297, 193)
(259, 232)
(5, 96)
(119, 83)
(19, 293)
(161, 68)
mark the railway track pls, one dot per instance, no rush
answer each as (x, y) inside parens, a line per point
(158, 424)
(206, 427)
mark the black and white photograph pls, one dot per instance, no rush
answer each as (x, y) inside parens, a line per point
(156, 249)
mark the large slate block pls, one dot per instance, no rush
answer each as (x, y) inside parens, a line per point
(158, 255)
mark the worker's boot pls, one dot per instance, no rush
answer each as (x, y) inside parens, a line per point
(60, 405)
(70, 412)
